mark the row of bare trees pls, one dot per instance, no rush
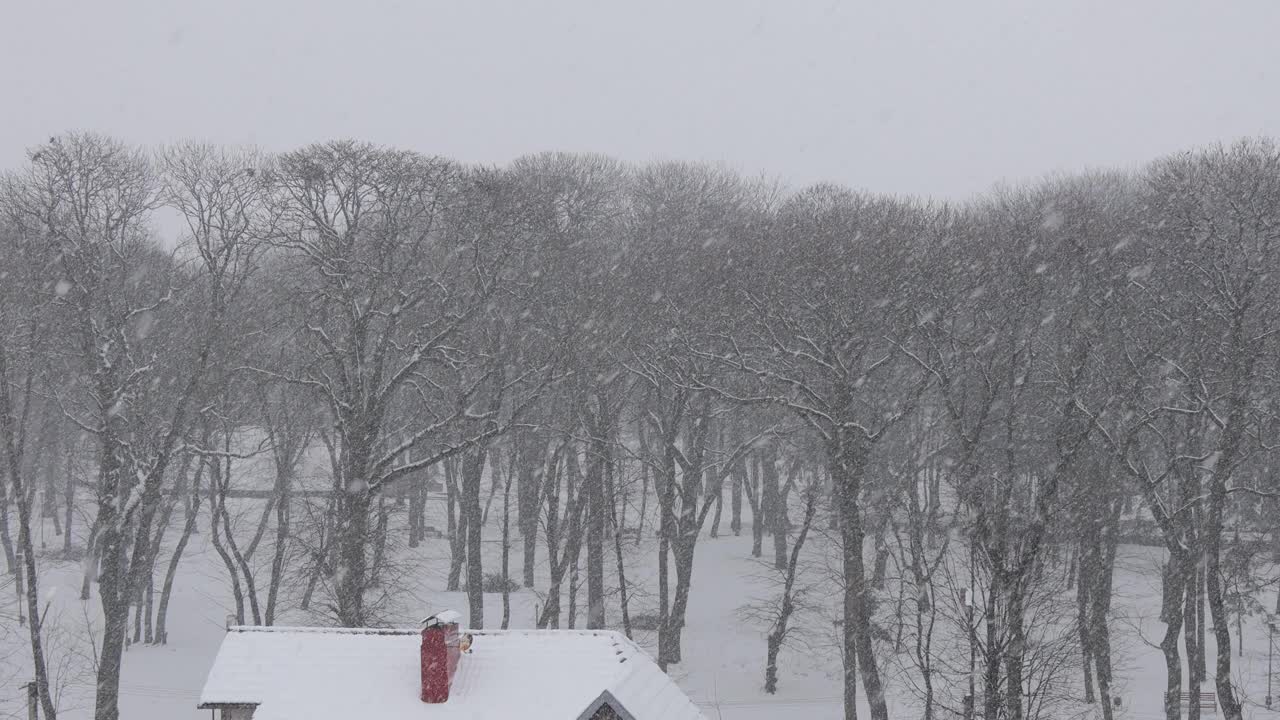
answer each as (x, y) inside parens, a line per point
(981, 398)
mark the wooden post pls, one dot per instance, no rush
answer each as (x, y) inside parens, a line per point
(33, 701)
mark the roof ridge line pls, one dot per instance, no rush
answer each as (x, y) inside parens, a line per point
(314, 630)
(547, 631)
(321, 630)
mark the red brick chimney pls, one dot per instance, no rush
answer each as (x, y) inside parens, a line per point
(439, 655)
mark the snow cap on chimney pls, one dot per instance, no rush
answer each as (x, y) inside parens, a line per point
(447, 617)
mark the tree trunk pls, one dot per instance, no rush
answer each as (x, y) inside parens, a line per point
(735, 502)
(935, 504)
(379, 542)
(506, 543)
(92, 561)
(531, 454)
(415, 515)
(665, 655)
(148, 635)
(1015, 653)
(578, 496)
(597, 516)
(774, 504)
(1231, 709)
(110, 657)
(682, 554)
(718, 501)
(644, 506)
(1100, 579)
(1198, 587)
(69, 500)
(755, 498)
(622, 581)
(114, 598)
(217, 496)
(991, 673)
(472, 471)
(778, 634)
(665, 481)
(1083, 621)
(351, 540)
(773, 643)
(456, 520)
(31, 597)
(322, 555)
(278, 552)
(616, 507)
(137, 618)
(574, 584)
(716, 489)
(551, 486)
(1173, 585)
(171, 572)
(572, 537)
(848, 457)
(415, 487)
(6, 538)
(241, 562)
(49, 506)
(1099, 633)
(880, 569)
(1193, 638)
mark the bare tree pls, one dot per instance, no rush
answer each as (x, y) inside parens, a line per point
(89, 197)
(819, 342)
(780, 627)
(1195, 357)
(387, 296)
(23, 322)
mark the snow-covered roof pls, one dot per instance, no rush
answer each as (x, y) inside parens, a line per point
(323, 673)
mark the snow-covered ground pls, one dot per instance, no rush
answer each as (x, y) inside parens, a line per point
(723, 650)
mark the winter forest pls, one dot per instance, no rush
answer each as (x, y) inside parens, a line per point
(1009, 458)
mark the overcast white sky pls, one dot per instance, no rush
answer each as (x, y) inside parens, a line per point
(934, 98)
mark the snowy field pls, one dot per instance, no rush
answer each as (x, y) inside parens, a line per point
(723, 650)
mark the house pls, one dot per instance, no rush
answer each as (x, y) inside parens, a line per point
(286, 673)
